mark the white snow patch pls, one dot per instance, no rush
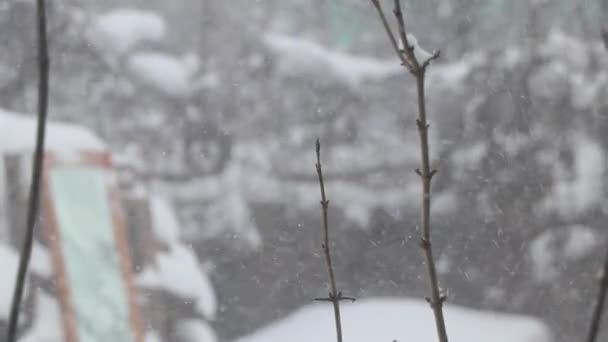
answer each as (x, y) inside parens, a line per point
(543, 254)
(469, 158)
(120, 30)
(389, 319)
(152, 336)
(179, 272)
(451, 75)
(48, 325)
(444, 264)
(9, 260)
(172, 75)
(164, 221)
(513, 56)
(300, 57)
(195, 331)
(64, 139)
(566, 47)
(420, 53)
(586, 89)
(550, 81)
(574, 195)
(580, 242)
(556, 247)
(40, 262)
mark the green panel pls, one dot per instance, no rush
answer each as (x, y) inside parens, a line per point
(99, 296)
(345, 23)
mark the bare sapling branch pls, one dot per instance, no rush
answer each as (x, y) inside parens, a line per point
(334, 296)
(34, 192)
(598, 307)
(418, 69)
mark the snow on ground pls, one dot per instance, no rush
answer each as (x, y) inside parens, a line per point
(119, 30)
(47, 324)
(390, 319)
(301, 57)
(9, 260)
(177, 270)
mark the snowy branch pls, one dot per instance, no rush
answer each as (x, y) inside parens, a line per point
(417, 68)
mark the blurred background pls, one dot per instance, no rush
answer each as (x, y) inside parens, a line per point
(211, 109)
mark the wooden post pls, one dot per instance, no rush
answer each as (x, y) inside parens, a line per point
(144, 246)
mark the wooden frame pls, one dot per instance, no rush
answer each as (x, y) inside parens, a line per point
(101, 160)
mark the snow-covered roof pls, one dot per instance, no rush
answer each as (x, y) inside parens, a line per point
(390, 319)
(119, 30)
(301, 57)
(19, 130)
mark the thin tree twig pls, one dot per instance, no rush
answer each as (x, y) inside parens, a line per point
(334, 296)
(418, 70)
(34, 194)
(598, 308)
(388, 30)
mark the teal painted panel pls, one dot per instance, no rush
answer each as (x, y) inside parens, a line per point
(84, 218)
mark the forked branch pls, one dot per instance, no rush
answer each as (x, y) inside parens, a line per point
(418, 69)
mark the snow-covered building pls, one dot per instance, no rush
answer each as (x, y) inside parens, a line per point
(165, 271)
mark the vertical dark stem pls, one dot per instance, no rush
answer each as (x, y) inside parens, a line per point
(598, 308)
(34, 195)
(426, 175)
(418, 69)
(604, 19)
(334, 296)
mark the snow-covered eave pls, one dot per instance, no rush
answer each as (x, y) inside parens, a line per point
(19, 130)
